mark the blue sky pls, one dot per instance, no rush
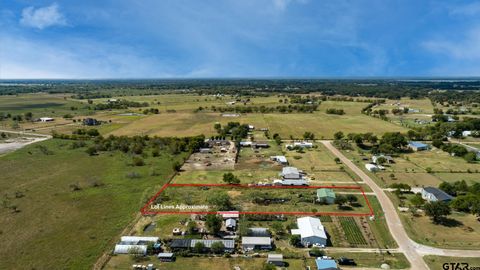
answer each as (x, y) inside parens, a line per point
(247, 38)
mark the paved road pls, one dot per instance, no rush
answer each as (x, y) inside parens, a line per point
(391, 216)
(413, 251)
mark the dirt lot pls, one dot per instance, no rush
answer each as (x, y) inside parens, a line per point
(220, 157)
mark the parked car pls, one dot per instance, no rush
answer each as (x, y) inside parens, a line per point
(346, 261)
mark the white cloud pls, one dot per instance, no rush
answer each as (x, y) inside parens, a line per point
(463, 49)
(42, 17)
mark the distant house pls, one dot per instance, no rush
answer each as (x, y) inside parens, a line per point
(190, 243)
(230, 224)
(325, 264)
(433, 194)
(303, 144)
(258, 232)
(372, 167)
(311, 231)
(280, 159)
(252, 243)
(325, 195)
(388, 159)
(466, 133)
(166, 257)
(251, 127)
(91, 122)
(275, 259)
(46, 119)
(418, 146)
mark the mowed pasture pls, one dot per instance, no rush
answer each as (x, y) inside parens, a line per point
(62, 207)
(323, 125)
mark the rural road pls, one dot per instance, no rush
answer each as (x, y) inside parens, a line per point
(413, 251)
(393, 220)
(19, 143)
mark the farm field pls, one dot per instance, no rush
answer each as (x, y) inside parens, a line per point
(69, 203)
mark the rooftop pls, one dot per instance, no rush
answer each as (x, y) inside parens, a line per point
(325, 192)
(249, 240)
(325, 264)
(308, 226)
(438, 193)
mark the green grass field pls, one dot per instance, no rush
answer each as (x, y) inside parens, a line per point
(58, 226)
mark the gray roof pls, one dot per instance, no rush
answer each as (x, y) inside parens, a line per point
(261, 241)
(438, 193)
(208, 243)
(258, 232)
(275, 257)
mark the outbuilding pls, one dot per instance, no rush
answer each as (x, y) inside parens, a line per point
(418, 146)
(326, 264)
(275, 259)
(46, 119)
(251, 243)
(433, 194)
(325, 195)
(166, 257)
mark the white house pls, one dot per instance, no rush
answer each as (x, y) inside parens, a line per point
(466, 133)
(388, 159)
(311, 231)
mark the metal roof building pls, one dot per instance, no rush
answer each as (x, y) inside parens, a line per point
(311, 231)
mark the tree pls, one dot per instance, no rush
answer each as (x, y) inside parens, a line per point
(340, 200)
(176, 166)
(308, 135)
(277, 227)
(218, 247)
(470, 157)
(230, 178)
(192, 227)
(448, 188)
(381, 160)
(221, 201)
(437, 211)
(337, 160)
(295, 240)
(199, 247)
(92, 150)
(338, 135)
(394, 139)
(213, 223)
(351, 199)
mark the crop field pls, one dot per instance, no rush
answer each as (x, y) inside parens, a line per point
(69, 203)
(352, 232)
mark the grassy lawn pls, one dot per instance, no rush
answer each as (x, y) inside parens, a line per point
(297, 199)
(313, 160)
(379, 226)
(216, 177)
(413, 179)
(436, 262)
(441, 161)
(73, 228)
(374, 260)
(461, 232)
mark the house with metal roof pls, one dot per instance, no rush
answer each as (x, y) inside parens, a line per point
(376, 158)
(311, 231)
(137, 244)
(325, 264)
(230, 224)
(251, 243)
(418, 146)
(325, 195)
(433, 194)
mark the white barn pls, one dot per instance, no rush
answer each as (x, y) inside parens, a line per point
(311, 231)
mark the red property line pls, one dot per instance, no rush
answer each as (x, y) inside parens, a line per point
(144, 210)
